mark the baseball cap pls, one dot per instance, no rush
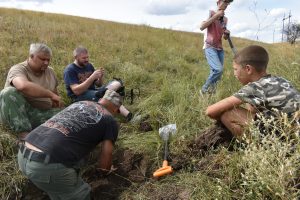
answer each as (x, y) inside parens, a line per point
(113, 97)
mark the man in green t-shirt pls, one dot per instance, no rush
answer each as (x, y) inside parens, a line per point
(30, 93)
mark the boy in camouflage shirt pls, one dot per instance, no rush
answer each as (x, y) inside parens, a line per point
(262, 92)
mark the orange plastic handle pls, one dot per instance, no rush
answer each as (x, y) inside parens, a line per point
(165, 169)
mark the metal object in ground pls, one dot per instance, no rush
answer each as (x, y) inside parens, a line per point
(231, 45)
(165, 133)
(234, 51)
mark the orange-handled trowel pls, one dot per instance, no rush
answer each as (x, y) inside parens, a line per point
(164, 133)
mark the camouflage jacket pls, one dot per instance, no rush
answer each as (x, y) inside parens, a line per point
(271, 92)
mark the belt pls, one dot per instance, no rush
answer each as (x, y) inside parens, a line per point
(32, 155)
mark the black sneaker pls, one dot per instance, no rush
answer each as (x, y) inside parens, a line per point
(129, 117)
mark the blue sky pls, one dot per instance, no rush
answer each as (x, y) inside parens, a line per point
(253, 19)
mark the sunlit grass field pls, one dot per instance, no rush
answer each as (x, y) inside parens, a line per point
(168, 67)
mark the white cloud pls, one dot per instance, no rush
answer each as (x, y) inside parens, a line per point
(240, 27)
(167, 7)
(240, 4)
(35, 1)
(278, 12)
(204, 5)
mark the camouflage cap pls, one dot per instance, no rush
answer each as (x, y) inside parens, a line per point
(113, 97)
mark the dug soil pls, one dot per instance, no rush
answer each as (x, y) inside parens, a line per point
(129, 168)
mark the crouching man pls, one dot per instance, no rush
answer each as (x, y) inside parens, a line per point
(50, 152)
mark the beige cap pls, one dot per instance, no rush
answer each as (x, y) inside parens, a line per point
(113, 97)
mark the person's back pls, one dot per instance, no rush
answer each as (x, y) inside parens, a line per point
(271, 94)
(52, 154)
(75, 131)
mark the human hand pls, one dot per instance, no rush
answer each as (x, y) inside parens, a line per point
(226, 34)
(56, 101)
(98, 74)
(99, 80)
(220, 13)
(104, 172)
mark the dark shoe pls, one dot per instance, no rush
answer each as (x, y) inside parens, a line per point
(129, 117)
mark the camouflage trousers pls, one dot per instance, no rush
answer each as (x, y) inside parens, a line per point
(18, 114)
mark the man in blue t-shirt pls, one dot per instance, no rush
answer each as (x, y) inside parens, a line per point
(83, 82)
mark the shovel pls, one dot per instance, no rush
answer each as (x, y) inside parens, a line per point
(234, 51)
(165, 133)
(231, 45)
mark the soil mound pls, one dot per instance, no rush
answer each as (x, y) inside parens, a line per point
(211, 138)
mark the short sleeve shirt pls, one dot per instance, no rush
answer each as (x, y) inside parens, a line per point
(271, 92)
(74, 132)
(47, 80)
(213, 33)
(74, 74)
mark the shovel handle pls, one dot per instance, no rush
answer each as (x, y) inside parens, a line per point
(166, 150)
(164, 170)
(231, 45)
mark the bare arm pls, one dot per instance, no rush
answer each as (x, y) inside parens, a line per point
(57, 104)
(250, 108)
(34, 90)
(99, 82)
(105, 160)
(216, 110)
(78, 89)
(213, 18)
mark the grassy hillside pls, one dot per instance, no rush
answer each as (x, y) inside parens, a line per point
(169, 68)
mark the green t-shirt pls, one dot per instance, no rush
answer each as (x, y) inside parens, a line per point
(47, 80)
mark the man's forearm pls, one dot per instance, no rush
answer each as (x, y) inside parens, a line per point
(105, 160)
(78, 89)
(205, 24)
(34, 90)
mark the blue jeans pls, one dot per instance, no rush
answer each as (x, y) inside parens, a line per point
(215, 59)
(90, 95)
(60, 182)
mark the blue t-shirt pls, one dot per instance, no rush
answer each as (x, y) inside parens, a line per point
(76, 75)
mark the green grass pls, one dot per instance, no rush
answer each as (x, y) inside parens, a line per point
(169, 68)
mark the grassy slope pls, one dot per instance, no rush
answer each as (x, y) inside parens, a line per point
(169, 67)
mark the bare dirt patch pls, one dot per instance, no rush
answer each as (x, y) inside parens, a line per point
(211, 138)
